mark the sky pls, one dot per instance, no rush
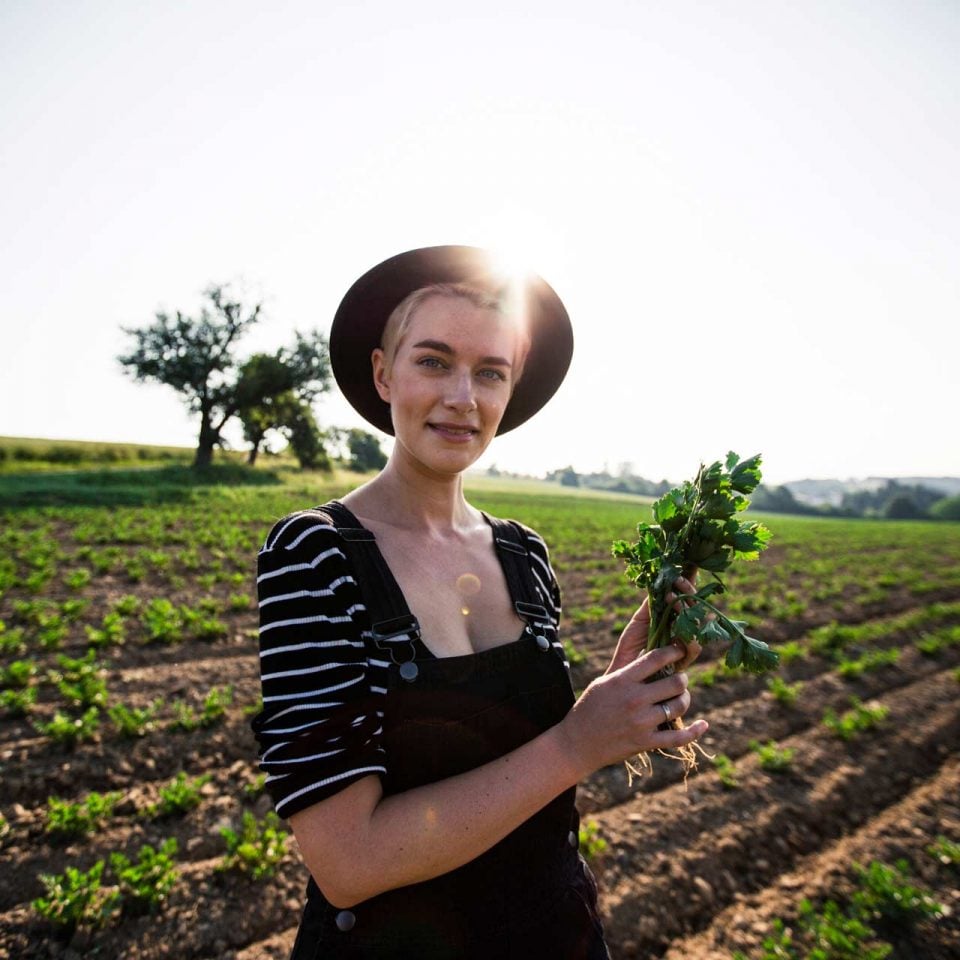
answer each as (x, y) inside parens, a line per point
(751, 210)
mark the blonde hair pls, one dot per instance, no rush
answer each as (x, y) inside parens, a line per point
(402, 315)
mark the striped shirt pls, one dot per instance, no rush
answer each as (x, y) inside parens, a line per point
(321, 723)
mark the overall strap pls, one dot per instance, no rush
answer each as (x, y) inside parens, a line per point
(510, 541)
(393, 627)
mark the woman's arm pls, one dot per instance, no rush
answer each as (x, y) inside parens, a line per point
(357, 843)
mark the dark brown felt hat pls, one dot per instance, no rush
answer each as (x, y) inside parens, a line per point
(363, 313)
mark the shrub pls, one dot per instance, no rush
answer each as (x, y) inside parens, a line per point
(257, 849)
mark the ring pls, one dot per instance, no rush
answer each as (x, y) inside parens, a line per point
(666, 711)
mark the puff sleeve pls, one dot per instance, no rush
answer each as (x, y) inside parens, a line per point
(321, 723)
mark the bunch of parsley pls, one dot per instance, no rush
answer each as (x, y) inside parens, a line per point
(696, 527)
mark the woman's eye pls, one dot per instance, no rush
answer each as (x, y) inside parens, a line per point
(430, 362)
(492, 374)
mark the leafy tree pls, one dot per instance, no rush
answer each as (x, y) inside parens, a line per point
(946, 509)
(365, 452)
(196, 357)
(569, 477)
(901, 507)
(306, 439)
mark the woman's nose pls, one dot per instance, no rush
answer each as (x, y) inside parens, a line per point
(461, 395)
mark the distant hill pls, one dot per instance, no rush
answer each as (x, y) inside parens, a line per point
(831, 491)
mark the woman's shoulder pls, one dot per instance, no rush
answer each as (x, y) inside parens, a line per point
(532, 540)
(309, 526)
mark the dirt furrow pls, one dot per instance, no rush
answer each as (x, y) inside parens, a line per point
(762, 716)
(681, 856)
(903, 830)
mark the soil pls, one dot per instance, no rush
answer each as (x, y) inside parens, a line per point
(691, 869)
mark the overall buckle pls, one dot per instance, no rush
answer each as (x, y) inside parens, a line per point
(384, 631)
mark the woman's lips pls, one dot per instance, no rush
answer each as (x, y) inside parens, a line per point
(453, 433)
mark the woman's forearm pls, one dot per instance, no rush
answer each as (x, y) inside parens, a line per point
(427, 831)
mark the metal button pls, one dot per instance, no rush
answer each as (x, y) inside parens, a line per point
(345, 920)
(543, 643)
(409, 671)
(573, 840)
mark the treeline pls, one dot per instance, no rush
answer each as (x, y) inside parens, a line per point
(892, 501)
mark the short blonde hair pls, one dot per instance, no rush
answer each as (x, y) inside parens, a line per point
(400, 318)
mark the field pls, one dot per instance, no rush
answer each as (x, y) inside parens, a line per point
(127, 610)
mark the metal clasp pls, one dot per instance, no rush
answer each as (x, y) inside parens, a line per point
(385, 631)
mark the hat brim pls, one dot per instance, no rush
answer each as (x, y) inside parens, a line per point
(362, 315)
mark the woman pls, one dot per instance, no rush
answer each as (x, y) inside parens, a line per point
(419, 728)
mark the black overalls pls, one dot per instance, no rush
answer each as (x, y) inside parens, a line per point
(531, 895)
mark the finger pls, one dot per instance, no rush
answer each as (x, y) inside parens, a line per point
(692, 650)
(673, 738)
(666, 688)
(647, 664)
(667, 710)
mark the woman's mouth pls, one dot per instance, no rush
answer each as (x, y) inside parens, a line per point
(452, 432)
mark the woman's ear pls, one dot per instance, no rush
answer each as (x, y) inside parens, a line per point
(380, 378)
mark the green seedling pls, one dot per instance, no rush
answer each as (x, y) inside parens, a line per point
(726, 771)
(783, 692)
(18, 673)
(144, 884)
(178, 796)
(132, 722)
(772, 758)
(887, 892)
(81, 681)
(162, 621)
(74, 899)
(591, 843)
(67, 730)
(18, 703)
(871, 660)
(110, 631)
(66, 819)
(258, 847)
(573, 655)
(946, 851)
(855, 721)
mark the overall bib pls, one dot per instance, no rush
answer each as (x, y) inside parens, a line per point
(531, 895)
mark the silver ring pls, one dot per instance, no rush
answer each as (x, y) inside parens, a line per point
(666, 711)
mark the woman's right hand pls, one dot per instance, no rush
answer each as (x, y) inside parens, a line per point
(618, 715)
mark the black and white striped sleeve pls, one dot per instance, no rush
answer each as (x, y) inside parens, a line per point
(543, 575)
(321, 722)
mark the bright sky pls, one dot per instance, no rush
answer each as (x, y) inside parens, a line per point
(751, 209)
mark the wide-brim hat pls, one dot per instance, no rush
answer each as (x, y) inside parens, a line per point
(362, 315)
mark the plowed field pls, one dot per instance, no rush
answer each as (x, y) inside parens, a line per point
(866, 614)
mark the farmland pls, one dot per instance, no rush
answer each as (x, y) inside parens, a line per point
(128, 640)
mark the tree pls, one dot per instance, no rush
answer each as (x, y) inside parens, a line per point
(946, 509)
(365, 452)
(306, 439)
(196, 357)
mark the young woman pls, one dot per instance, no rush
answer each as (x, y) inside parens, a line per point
(419, 728)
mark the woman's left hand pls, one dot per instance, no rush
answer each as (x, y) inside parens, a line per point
(633, 640)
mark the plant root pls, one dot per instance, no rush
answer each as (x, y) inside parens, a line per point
(686, 755)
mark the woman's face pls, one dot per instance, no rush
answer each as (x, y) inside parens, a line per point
(449, 383)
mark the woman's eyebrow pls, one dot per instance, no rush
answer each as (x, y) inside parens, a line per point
(442, 347)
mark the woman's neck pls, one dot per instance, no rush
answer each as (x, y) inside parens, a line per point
(406, 496)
